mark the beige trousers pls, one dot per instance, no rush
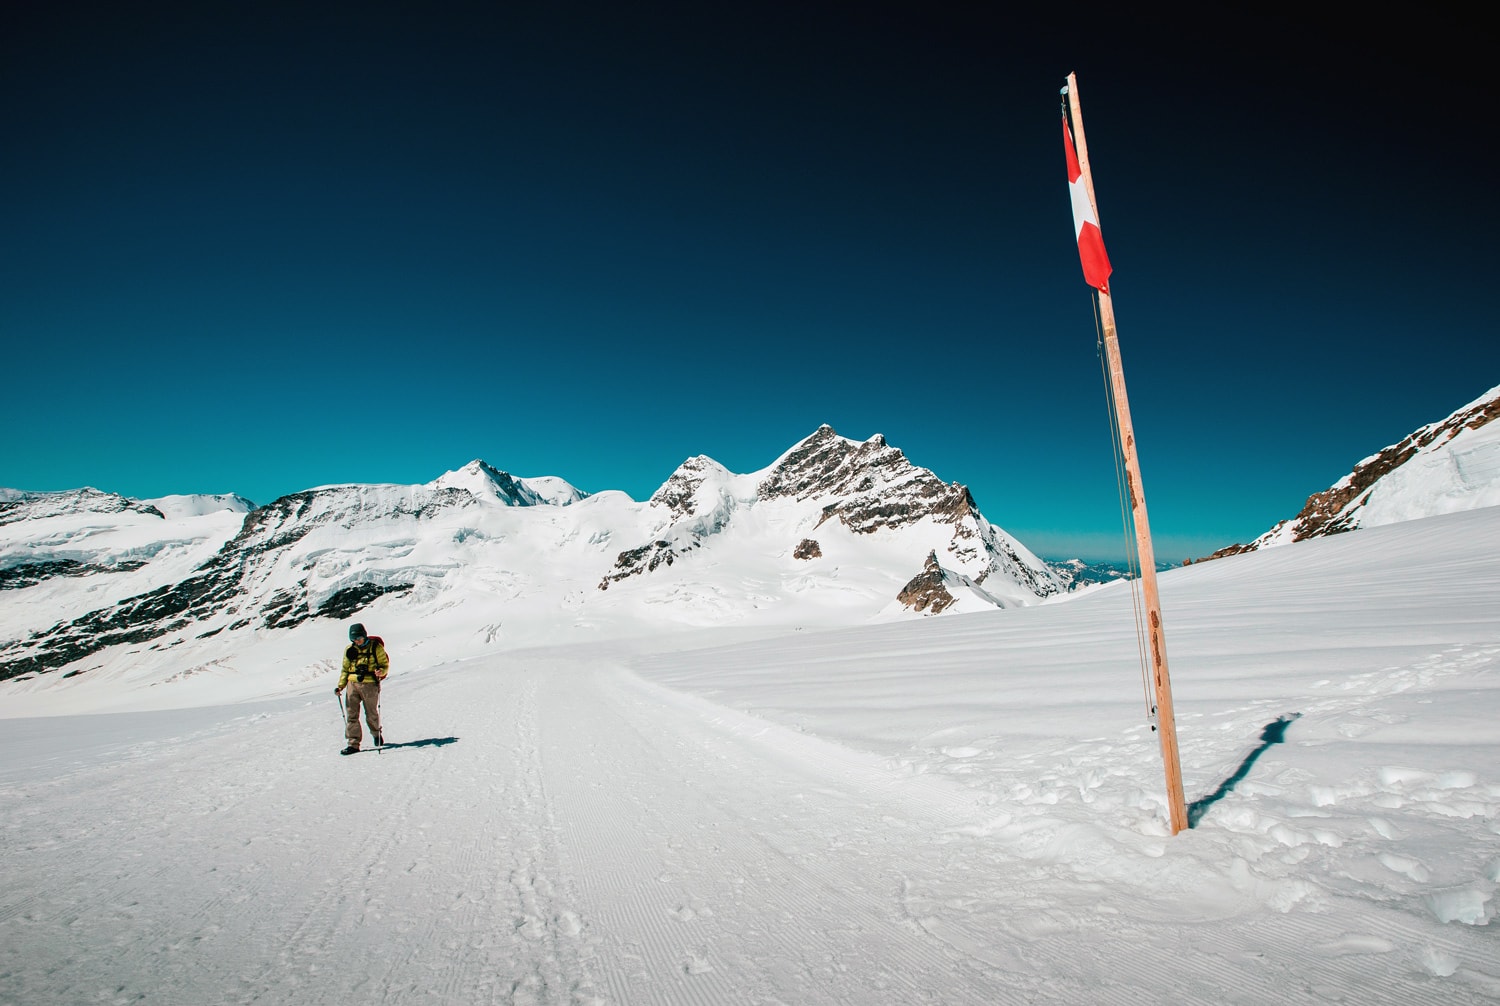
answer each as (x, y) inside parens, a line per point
(368, 694)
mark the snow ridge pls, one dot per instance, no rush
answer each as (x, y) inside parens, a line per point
(834, 529)
(1443, 467)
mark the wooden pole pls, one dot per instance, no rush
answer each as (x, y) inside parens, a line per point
(1161, 680)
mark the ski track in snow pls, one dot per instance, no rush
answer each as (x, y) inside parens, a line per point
(537, 858)
(591, 838)
(736, 876)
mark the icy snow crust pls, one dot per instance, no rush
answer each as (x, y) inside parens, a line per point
(1461, 474)
(955, 810)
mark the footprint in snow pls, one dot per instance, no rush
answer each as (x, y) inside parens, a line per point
(569, 924)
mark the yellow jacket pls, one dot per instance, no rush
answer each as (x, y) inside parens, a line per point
(365, 663)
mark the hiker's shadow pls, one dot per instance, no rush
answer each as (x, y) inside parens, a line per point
(430, 742)
(1274, 733)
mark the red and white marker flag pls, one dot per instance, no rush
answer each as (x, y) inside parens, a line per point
(1096, 267)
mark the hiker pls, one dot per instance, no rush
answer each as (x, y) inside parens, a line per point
(365, 667)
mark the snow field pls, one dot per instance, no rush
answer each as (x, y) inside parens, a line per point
(966, 809)
(1371, 825)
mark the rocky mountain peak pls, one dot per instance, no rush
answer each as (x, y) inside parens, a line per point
(926, 592)
(483, 479)
(869, 487)
(826, 464)
(682, 494)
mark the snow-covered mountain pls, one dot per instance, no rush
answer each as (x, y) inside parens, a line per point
(851, 490)
(834, 531)
(1444, 467)
(1078, 573)
(119, 546)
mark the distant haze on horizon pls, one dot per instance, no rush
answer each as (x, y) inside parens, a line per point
(257, 250)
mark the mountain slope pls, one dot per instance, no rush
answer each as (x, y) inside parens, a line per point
(60, 550)
(830, 486)
(1443, 467)
(833, 532)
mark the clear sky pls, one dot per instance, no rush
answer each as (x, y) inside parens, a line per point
(260, 247)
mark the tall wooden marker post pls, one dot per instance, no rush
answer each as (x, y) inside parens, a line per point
(1096, 269)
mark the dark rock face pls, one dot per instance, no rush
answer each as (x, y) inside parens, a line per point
(346, 602)
(640, 560)
(35, 572)
(876, 485)
(32, 573)
(1234, 549)
(926, 591)
(807, 549)
(825, 464)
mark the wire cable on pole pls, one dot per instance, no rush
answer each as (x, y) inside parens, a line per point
(1127, 522)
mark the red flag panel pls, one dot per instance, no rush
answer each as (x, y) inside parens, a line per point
(1096, 267)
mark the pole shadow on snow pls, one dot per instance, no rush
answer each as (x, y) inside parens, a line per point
(430, 742)
(1274, 733)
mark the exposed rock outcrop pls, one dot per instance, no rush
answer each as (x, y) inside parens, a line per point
(927, 592)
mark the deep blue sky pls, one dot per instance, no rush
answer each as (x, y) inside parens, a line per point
(255, 248)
